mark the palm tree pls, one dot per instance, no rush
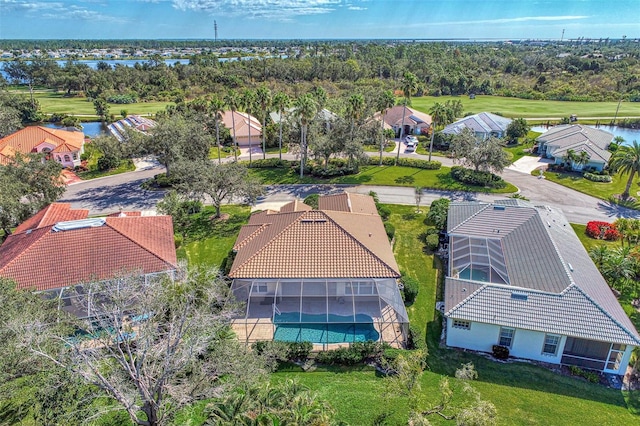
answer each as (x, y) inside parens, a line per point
(232, 100)
(439, 116)
(263, 97)
(623, 226)
(216, 107)
(409, 86)
(599, 255)
(626, 160)
(248, 102)
(305, 109)
(385, 101)
(355, 108)
(281, 102)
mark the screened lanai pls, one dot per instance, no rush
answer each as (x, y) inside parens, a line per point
(477, 259)
(321, 311)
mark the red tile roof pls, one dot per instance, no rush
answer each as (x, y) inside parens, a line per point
(50, 215)
(41, 259)
(27, 139)
(314, 244)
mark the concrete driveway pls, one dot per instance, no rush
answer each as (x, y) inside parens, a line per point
(527, 164)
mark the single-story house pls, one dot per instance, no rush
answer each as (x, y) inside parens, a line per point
(59, 249)
(63, 146)
(243, 122)
(136, 122)
(323, 115)
(559, 140)
(415, 122)
(327, 276)
(519, 277)
(484, 125)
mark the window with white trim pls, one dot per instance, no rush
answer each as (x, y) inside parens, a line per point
(463, 325)
(506, 336)
(551, 343)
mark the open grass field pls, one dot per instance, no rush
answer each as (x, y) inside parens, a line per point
(514, 107)
(602, 190)
(56, 102)
(380, 175)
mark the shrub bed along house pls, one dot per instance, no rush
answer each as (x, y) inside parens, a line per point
(356, 353)
(597, 178)
(602, 231)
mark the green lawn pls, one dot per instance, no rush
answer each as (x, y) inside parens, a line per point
(380, 175)
(390, 146)
(125, 166)
(275, 149)
(56, 102)
(514, 107)
(224, 152)
(602, 190)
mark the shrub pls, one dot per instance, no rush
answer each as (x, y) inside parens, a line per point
(589, 375)
(500, 352)
(477, 178)
(433, 240)
(269, 163)
(597, 178)
(85, 156)
(192, 206)
(407, 162)
(177, 241)
(357, 353)
(108, 163)
(411, 288)
(283, 351)
(312, 200)
(417, 338)
(383, 211)
(390, 230)
(602, 230)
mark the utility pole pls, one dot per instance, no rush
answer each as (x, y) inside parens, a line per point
(215, 29)
(562, 37)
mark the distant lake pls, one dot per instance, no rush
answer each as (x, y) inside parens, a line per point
(628, 135)
(91, 128)
(93, 63)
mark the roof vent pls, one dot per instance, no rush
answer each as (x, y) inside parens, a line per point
(78, 224)
(497, 207)
(519, 296)
(570, 267)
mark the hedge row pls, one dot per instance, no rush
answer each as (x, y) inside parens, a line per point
(407, 162)
(356, 353)
(597, 178)
(478, 178)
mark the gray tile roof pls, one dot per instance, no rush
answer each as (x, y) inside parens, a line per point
(543, 255)
(561, 138)
(484, 122)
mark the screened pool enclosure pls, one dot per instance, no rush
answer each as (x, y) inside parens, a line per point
(321, 311)
(477, 259)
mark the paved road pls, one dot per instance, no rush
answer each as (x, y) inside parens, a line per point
(110, 194)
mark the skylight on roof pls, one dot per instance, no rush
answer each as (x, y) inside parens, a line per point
(78, 224)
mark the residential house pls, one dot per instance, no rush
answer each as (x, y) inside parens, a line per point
(326, 276)
(559, 140)
(323, 115)
(60, 248)
(415, 122)
(483, 125)
(519, 277)
(63, 146)
(243, 122)
(141, 124)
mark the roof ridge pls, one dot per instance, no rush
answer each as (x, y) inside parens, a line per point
(468, 298)
(605, 312)
(266, 244)
(260, 227)
(555, 247)
(30, 245)
(359, 242)
(134, 241)
(470, 217)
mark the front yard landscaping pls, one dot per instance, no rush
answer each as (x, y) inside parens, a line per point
(524, 394)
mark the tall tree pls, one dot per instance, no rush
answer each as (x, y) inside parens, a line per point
(305, 110)
(386, 100)
(248, 102)
(355, 109)
(9, 120)
(102, 108)
(233, 101)
(216, 107)
(281, 102)
(153, 345)
(486, 155)
(28, 184)
(409, 86)
(263, 98)
(518, 128)
(439, 117)
(626, 160)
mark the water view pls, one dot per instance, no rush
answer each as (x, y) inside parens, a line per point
(628, 135)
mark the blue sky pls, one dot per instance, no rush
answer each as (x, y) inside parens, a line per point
(318, 19)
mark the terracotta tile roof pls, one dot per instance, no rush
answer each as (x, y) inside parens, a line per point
(314, 244)
(242, 122)
(123, 244)
(295, 206)
(27, 139)
(347, 202)
(50, 215)
(125, 214)
(412, 117)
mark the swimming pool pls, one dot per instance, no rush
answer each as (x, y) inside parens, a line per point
(320, 328)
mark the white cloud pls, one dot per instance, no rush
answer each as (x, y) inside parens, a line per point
(512, 20)
(56, 10)
(267, 9)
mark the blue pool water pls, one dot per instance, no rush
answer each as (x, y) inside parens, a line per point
(317, 329)
(474, 274)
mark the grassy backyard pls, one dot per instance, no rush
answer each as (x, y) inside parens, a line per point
(523, 394)
(514, 107)
(380, 175)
